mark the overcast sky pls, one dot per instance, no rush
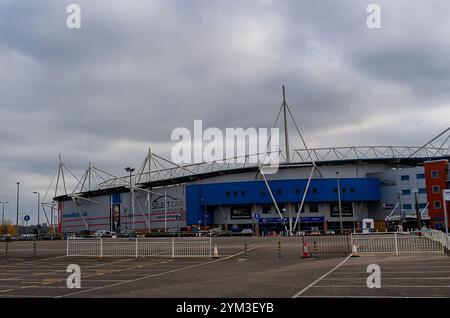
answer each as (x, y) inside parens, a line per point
(138, 69)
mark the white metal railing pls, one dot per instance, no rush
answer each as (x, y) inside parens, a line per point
(395, 243)
(437, 236)
(139, 247)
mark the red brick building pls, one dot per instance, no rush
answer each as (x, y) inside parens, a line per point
(437, 179)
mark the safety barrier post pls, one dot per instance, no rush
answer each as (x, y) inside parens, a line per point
(137, 248)
(101, 248)
(67, 248)
(245, 250)
(279, 249)
(173, 248)
(6, 248)
(34, 249)
(315, 249)
(210, 247)
(396, 243)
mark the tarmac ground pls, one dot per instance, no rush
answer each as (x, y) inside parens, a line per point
(265, 271)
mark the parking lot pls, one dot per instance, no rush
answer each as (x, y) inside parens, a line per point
(265, 272)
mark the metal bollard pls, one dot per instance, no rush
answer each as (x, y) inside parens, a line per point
(34, 249)
(245, 250)
(6, 248)
(315, 249)
(279, 249)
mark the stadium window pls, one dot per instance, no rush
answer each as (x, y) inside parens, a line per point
(436, 189)
(406, 192)
(313, 207)
(344, 190)
(297, 206)
(315, 190)
(279, 191)
(405, 178)
(262, 192)
(422, 190)
(227, 194)
(437, 204)
(335, 190)
(434, 174)
(407, 206)
(266, 208)
(235, 193)
(242, 193)
(420, 176)
(352, 190)
(297, 191)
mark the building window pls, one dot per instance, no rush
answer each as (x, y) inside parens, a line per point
(297, 191)
(422, 190)
(313, 207)
(420, 176)
(227, 194)
(437, 204)
(297, 206)
(422, 205)
(352, 190)
(242, 193)
(405, 178)
(406, 192)
(335, 190)
(344, 190)
(262, 192)
(235, 193)
(436, 189)
(279, 191)
(407, 206)
(434, 174)
(266, 208)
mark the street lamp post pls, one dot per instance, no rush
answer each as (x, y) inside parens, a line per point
(339, 202)
(3, 216)
(38, 207)
(17, 208)
(131, 170)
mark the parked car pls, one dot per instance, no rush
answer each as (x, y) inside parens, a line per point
(247, 232)
(330, 232)
(28, 237)
(84, 233)
(315, 231)
(128, 233)
(5, 237)
(105, 234)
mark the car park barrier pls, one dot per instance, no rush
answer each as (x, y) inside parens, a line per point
(139, 247)
(395, 243)
(324, 244)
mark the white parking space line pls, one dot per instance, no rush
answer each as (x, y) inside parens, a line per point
(154, 275)
(322, 277)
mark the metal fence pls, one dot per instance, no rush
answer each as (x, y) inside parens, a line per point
(438, 236)
(319, 244)
(395, 243)
(140, 247)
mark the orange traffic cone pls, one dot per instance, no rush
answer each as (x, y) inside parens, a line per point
(305, 250)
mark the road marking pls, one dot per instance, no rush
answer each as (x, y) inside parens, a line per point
(6, 290)
(322, 277)
(151, 276)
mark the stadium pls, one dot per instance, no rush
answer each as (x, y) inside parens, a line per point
(323, 189)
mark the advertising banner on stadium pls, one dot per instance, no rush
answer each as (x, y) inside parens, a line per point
(347, 209)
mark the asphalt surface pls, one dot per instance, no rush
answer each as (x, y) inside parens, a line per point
(265, 272)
